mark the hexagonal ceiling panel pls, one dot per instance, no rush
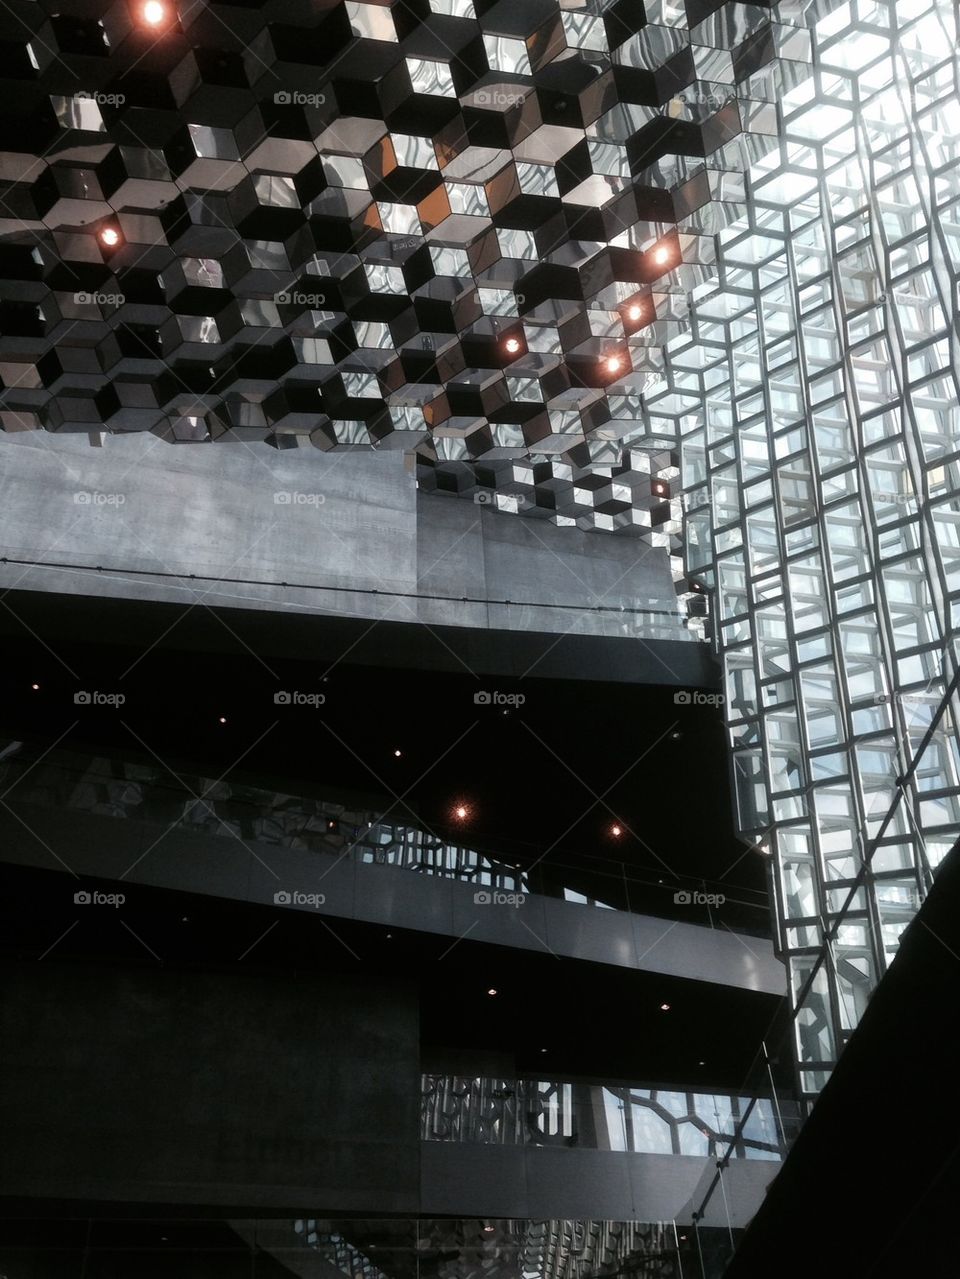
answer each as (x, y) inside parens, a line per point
(460, 228)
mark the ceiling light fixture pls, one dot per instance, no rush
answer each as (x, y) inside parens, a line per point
(492, 990)
(635, 312)
(512, 346)
(616, 830)
(664, 1008)
(613, 363)
(661, 255)
(153, 13)
(110, 237)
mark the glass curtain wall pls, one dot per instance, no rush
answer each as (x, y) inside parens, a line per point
(815, 398)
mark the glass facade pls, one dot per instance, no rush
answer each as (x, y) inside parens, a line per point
(614, 1117)
(814, 396)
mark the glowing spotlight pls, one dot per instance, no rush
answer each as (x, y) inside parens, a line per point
(223, 719)
(661, 255)
(110, 237)
(34, 687)
(664, 1008)
(492, 990)
(397, 754)
(616, 830)
(488, 1230)
(613, 363)
(460, 812)
(635, 312)
(153, 13)
(512, 346)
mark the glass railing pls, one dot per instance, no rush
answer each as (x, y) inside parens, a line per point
(626, 1118)
(149, 792)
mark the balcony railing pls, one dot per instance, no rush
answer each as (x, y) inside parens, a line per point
(530, 1112)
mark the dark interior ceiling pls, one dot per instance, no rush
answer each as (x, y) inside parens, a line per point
(462, 227)
(548, 781)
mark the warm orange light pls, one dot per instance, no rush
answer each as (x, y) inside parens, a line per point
(616, 830)
(461, 812)
(613, 363)
(512, 346)
(110, 236)
(153, 13)
(661, 256)
(634, 312)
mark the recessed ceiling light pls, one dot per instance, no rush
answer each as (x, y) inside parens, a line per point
(492, 990)
(223, 719)
(634, 312)
(613, 363)
(110, 236)
(397, 754)
(488, 1230)
(512, 346)
(153, 13)
(34, 686)
(661, 255)
(664, 1008)
(616, 830)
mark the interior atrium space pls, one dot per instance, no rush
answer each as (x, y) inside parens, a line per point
(480, 686)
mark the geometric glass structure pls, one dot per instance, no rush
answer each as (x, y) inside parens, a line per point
(815, 396)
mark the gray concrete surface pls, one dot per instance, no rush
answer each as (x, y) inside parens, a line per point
(266, 527)
(134, 852)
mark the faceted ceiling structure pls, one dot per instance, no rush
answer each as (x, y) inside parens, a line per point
(457, 228)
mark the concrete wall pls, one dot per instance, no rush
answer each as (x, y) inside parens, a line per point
(266, 526)
(291, 1093)
(542, 1182)
(208, 1088)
